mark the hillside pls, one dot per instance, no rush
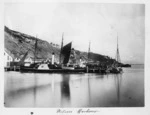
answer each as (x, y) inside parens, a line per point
(19, 43)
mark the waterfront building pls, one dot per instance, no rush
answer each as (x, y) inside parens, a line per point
(7, 58)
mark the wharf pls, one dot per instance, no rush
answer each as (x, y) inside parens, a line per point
(12, 68)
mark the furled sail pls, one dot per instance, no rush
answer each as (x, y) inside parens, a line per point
(66, 50)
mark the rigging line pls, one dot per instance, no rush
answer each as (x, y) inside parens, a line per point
(61, 47)
(89, 50)
(35, 48)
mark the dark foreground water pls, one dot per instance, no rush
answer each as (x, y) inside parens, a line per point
(75, 90)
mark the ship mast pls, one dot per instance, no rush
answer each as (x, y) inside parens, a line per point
(89, 51)
(61, 48)
(117, 53)
(35, 47)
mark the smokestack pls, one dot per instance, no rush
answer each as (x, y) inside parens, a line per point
(80, 59)
(80, 62)
(53, 58)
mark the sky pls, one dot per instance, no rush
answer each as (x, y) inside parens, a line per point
(83, 22)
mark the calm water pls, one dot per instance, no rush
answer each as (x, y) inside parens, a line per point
(75, 90)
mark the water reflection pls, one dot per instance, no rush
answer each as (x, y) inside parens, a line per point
(118, 80)
(35, 90)
(53, 83)
(74, 90)
(89, 92)
(65, 89)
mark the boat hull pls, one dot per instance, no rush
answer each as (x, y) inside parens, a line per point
(56, 70)
(52, 70)
(116, 70)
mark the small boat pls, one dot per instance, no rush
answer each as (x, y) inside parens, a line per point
(115, 70)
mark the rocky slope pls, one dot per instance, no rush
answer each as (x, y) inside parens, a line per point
(19, 43)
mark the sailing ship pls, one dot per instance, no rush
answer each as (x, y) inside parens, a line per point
(63, 66)
(65, 56)
(116, 66)
(66, 53)
(94, 67)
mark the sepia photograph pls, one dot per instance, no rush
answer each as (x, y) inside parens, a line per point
(74, 55)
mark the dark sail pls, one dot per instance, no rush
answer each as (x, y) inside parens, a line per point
(66, 50)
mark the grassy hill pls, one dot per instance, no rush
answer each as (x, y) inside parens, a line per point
(19, 43)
